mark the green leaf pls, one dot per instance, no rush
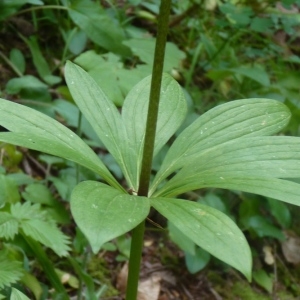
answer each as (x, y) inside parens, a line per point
(15, 85)
(98, 26)
(9, 190)
(34, 130)
(84, 277)
(254, 157)
(263, 227)
(214, 201)
(38, 193)
(144, 49)
(234, 120)
(111, 75)
(40, 61)
(256, 73)
(210, 229)
(181, 240)
(103, 213)
(281, 212)
(264, 280)
(70, 113)
(17, 295)
(198, 261)
(172, 111)
(10, 270)
(17, 58)
(35, 223)
(47, 234)
(102, 115)
(8, 226)
(32, 283)
(26, 211)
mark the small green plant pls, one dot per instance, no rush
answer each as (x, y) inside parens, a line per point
(228, 147)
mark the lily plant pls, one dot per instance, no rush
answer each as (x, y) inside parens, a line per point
(229, 147)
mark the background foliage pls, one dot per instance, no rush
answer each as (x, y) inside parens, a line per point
(218, 51)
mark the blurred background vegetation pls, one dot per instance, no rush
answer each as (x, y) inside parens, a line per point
(218, 51)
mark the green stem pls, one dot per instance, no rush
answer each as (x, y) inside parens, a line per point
(47, 266)
(14, 68)
(78, 132)
(39, 8)
(138, 232)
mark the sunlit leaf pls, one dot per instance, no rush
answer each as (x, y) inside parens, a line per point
(103, 213)
(233, 120)
(254, 157)
(102, 115)
(172, 111)
(210, 229)
(34, 130)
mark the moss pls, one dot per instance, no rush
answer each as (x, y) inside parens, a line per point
(99, 271)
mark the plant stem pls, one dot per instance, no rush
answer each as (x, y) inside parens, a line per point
(154, 97)
(138, 232)
(14, 68)
(39, 8)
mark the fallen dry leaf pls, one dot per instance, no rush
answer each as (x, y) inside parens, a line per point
(291, 247)
(269, 257)
(122, 279)
(149, 288)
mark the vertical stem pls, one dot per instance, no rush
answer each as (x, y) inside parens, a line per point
(154, 96)
(138, 232)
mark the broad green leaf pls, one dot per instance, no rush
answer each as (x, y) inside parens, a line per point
(17, 295)
(210, 229)
(268, 157)
(34, 130)
(10, 270)
(102, 115)
(172, 111)
(234, 120)
(98, 26)
(279, 189)
(103, 213)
